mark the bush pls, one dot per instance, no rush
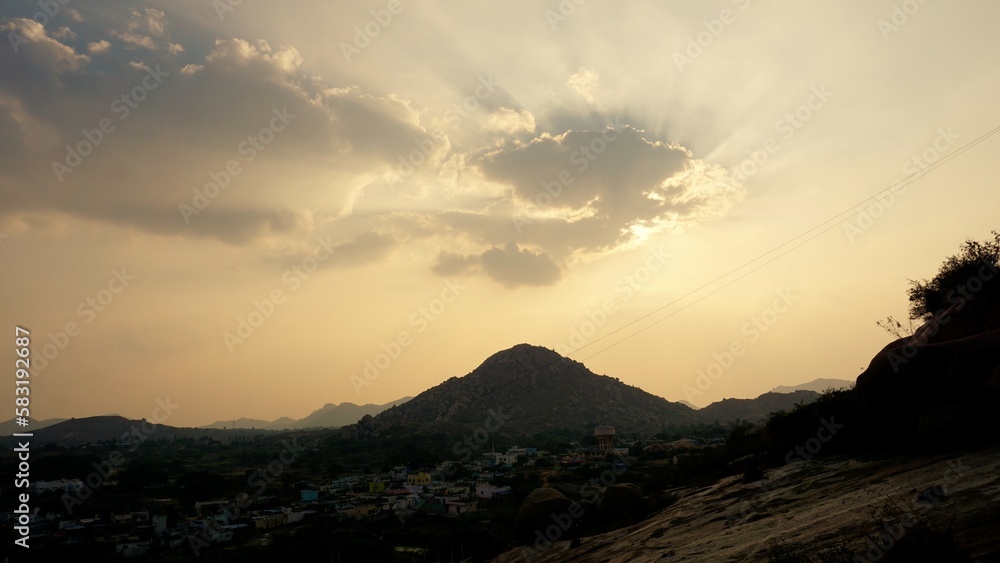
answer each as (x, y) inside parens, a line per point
(930, 296)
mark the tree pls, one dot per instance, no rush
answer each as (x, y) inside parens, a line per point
(973, 269)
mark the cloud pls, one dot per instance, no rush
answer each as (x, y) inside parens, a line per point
(508, 265)
(147, 29)
(583, 82)
(191, 125)
(511, 121)
(514, 267)
(64, 33)
(365, 248)
(30, 37)
(518, 195)
(232, 54)
(525, 211)
(615, 174)
(452, 264)
(101, 46)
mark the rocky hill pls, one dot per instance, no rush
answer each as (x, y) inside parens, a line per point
(529, 389)
(754, 410)
(94, 429)
(897, 509)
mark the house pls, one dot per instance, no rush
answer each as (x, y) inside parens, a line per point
(514, 450)
(419, 478)
(488, 490)
(64, 485)
(457, 507)
(309, 495)
(270, 520)
(362, 511)
(376, 486)
(496, 458)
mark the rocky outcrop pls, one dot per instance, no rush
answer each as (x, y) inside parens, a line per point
(544, 508)
(953, 359)
(829, 510)
(621, 504)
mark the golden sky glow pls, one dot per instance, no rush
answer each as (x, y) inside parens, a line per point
(247, 207)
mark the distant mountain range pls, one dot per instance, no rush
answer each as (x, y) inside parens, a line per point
(817, 385)
(330, 416)
(755, 410)
(9, 427)
(114, 428)
(522, 391)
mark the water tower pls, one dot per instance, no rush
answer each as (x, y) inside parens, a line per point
(605, 437)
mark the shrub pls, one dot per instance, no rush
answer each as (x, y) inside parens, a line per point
(930, 296)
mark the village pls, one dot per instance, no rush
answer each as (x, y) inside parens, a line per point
(448, 489)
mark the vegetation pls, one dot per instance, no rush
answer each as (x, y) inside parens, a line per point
(930, 296)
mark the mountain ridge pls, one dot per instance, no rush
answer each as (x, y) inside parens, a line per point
(330, 415)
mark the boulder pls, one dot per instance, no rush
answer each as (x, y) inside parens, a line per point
(541, 508)
(917, 375)
(913, 386)
(621, 504)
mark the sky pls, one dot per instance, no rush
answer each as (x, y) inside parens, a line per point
(253, 209)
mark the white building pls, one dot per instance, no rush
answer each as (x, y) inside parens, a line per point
(64, 485)
(489, 490)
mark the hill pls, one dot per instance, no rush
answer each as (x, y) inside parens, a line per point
(529, 389)
(329, 416)
(755, 410)
(817, 385)
(912, 508)
(113, 428)
(9, 427)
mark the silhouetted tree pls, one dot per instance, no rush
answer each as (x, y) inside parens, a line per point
(959, 276)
